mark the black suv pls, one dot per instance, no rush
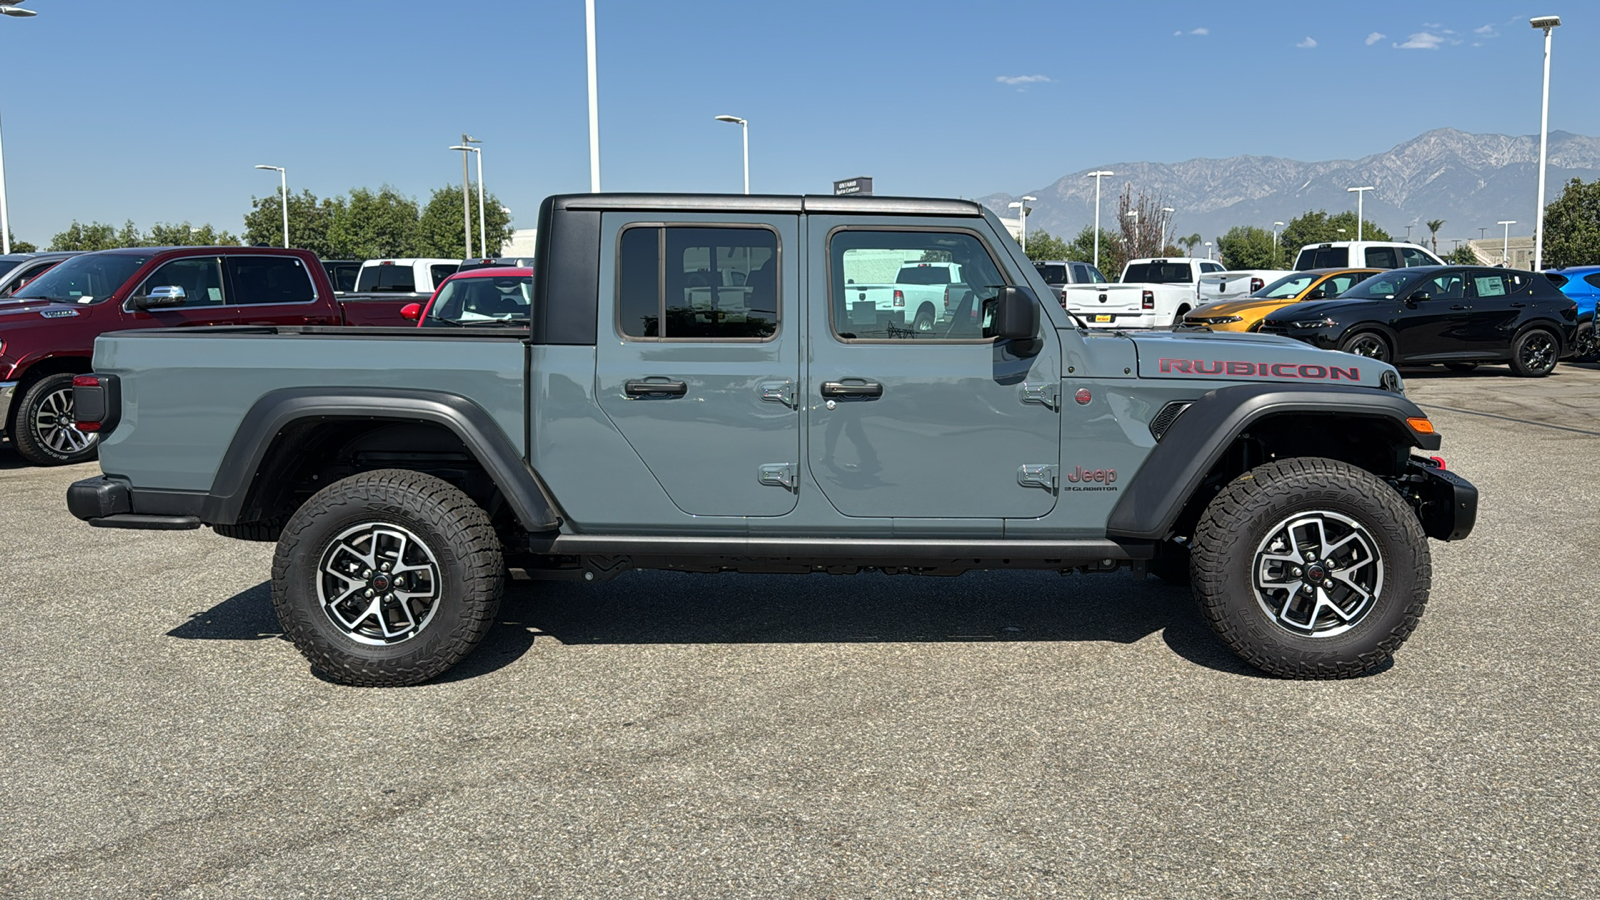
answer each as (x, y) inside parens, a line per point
(1458, 316)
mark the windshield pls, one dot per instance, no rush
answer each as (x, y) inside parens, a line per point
(1286, 287)
(502, 299)
(1053, 274)
(83, 279)
(1386, 285)
(1158, 273)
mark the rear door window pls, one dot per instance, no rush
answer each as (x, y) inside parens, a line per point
(1593, 280)
(1382, 258)
(698, 283)
(260, 280)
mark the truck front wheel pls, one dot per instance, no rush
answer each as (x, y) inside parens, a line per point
(43, 429)
(387, 577)
(1311, 568)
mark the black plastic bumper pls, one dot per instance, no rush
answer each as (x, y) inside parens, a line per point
(1446, 502)
(106, 503)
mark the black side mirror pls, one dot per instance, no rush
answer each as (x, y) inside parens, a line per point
(1016, 314)
(169, 295)
(1419, 295)
(1318, 294)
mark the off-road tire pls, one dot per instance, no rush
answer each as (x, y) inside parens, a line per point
(1235, 530)
(460, 543)
(36, 439)
(1369, 344)
(1534, 353)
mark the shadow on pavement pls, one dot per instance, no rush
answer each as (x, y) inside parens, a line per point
(672, 608)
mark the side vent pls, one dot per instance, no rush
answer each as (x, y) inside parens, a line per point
(1168, 415)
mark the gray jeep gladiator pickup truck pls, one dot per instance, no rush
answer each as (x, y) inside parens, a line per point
(696, 393)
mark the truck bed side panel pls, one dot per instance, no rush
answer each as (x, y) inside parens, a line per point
(199, 387)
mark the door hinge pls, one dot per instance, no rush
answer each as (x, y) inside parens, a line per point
(778, 474)
(1043, 476)
(778, 392)
(1045, 394)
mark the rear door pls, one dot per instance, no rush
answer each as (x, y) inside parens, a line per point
(921, 426)
(698, 361)
(275, 290)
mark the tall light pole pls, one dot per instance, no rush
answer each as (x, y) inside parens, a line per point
(1208, 249)
(744, 127)
(1548, 23)
(1021, 206)
(1134, 214)
(594, 103)
(1359, 192)
(1505, 246)
(483, 234)
(465, 146)
(1277, 252)
(283, 189)
(1166, 226)
(5, 220)
(1097, 176)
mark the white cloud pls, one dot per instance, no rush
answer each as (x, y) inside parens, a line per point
(1307, 44)
(1375, 37)
(1021, 79)
(1422, 40)
(1198, 32)
(1486, 31)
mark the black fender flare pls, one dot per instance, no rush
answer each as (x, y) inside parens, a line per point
(1197, 439)
(483, 437)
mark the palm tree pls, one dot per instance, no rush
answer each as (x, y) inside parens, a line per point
(1190, 242)
(1433, 228)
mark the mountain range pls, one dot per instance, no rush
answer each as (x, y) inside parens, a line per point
(1471, 181)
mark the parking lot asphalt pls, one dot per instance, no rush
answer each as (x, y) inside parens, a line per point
(662, 735)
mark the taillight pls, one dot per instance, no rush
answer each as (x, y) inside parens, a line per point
(946, 300)
(899, 298)
(96, 402)
(1147, 300)
(1256, 284)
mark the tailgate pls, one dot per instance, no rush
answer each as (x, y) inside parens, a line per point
(1120, 299)
(1228, 286)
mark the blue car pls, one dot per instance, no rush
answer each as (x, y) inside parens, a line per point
(1582, 284)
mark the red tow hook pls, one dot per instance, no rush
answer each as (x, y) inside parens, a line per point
(1438, 462)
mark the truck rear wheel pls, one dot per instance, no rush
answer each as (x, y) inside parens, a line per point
(387, 577)
(43, 429)
(1311, 568)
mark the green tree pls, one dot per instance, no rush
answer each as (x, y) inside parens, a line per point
(1462, 256)
(1318, 228)
(1572, 226)
(374, 225)
(1044, 245)
(94, 236)
(22, 246)
(1190, 242)
(439, 231)
(1248, 247)
(1433, 232)
(1112, 256)
(186, 235)
(310, 223)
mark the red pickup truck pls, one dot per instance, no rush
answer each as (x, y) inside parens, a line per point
(47, 329)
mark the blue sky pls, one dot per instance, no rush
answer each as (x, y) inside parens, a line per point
(156, 111)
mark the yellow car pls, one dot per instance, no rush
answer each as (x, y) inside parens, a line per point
(1239, 315)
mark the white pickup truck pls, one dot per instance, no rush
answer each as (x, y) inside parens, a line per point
(404, 276)
(1235, 284)
(918, 299)
(1153, 293)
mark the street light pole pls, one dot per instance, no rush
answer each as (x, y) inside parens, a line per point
(594, 103)
(1134, 214)
(1359, 192)
(1097, 176)
(1166, 226)
(1021, 206)
(744, 128)
(1548, 23)
(5, 218)
(466, 199)
(1277, 251)
(283, 194)
(1505, 245)
(1208, 249)
(465, 147)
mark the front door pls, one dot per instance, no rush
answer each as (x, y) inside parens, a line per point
(698, 357)
(1434, 316)
(903, 422)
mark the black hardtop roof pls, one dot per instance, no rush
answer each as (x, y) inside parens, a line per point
(768, 203)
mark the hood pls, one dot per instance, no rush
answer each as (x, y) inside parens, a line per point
(1232, 307)
(1252, 357)
(1316, 309)
(28, 312)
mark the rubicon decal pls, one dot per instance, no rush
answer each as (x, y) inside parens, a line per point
(1239, 368)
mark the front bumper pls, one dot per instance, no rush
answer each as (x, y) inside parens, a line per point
(1446, 503)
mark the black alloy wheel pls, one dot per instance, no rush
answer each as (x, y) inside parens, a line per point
(1368, 344)
(1534, 353)
(1587, 347)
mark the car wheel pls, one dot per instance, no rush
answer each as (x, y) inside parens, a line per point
(1368, 344)
(387, 577)
(1534, 352)
(1178, 319)
(1587, 347)
(1311, 568)
(1461, 366)
(924, 321)
(42, 427)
